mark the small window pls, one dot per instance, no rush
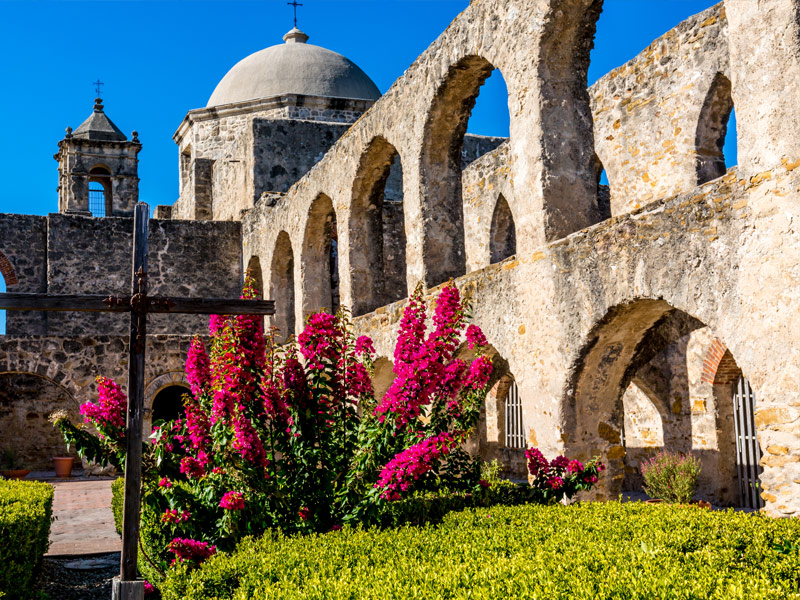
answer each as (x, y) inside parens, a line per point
(515, 429)
(97, 199)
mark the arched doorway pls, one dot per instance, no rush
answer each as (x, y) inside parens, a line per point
(26, 401)
(637, 391)
(168, 404)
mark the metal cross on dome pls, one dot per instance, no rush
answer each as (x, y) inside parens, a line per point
(97, 85)
(139, 304)
(294, 4)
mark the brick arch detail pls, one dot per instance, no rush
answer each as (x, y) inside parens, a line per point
(719, 366)
(7, 270)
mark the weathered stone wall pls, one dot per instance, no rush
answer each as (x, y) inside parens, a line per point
(23, 265)
(228, 140)
(41, 374)
(67, 254)
(569, 318)
(651, 131)
(423, 118)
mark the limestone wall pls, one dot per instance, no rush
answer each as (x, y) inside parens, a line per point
(41, 374)
(658, 126)
(65, 254)
(570, 318)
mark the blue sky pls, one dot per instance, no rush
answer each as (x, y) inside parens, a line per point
(159, 59)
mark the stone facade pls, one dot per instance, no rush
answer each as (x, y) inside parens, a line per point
(624, 315)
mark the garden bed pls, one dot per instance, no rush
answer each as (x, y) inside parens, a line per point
(598, 550)
(26, 509)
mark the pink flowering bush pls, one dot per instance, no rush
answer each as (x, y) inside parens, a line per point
(291, 438)
(551, 481)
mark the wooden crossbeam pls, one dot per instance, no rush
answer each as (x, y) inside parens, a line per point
(121, 304)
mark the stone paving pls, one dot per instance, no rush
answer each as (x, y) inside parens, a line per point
(84, 523)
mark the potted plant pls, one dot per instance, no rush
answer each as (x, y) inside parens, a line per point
(63, 466)
(671, 476)
(12, 467)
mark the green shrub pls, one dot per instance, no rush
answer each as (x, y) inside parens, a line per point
(118, 502)
(671, 476)
(598, 550)
(26, 509)
(153, 558)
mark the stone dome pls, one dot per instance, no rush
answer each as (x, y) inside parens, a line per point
(294, 67)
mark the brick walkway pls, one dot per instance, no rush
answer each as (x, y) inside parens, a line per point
(84, 523)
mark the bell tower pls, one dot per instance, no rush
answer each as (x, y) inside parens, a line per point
(98, 168)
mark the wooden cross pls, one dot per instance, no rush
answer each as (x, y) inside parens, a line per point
(139, 305)
(294, 4)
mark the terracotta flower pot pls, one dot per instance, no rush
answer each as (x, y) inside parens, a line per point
(15, 473)
(654, 501)
(63, 466)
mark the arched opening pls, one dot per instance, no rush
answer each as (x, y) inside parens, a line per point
(320, 259)
(377, 228)
(736, 401)
(441, 165)
(282, 287)
(100, 192)
(712, 130)
(254, 270)
(489, 120)
(603, 190)
(502, 235)
(168, 404)
(638, 391)
(26, 400)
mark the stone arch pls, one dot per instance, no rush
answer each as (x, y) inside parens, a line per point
(7, 270)
(377, 273)
(319, 260)
(618, 347)
(281, 287)
(26, 401)
(503, 234)
(154, 387)
(712, 126)
(254, 269)
(443, 251)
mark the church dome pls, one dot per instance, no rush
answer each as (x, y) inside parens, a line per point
(294, 67)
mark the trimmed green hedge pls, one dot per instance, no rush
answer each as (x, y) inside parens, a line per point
(26, 509)
(118, 502)
(597, 550)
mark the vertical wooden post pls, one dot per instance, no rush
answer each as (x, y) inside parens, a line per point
(129, 586)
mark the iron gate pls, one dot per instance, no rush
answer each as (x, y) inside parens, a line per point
(515, 430)
(748, 452)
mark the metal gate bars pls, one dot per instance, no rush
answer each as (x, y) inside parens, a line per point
(748, 452)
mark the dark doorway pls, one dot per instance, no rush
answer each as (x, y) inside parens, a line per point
(168, 403)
